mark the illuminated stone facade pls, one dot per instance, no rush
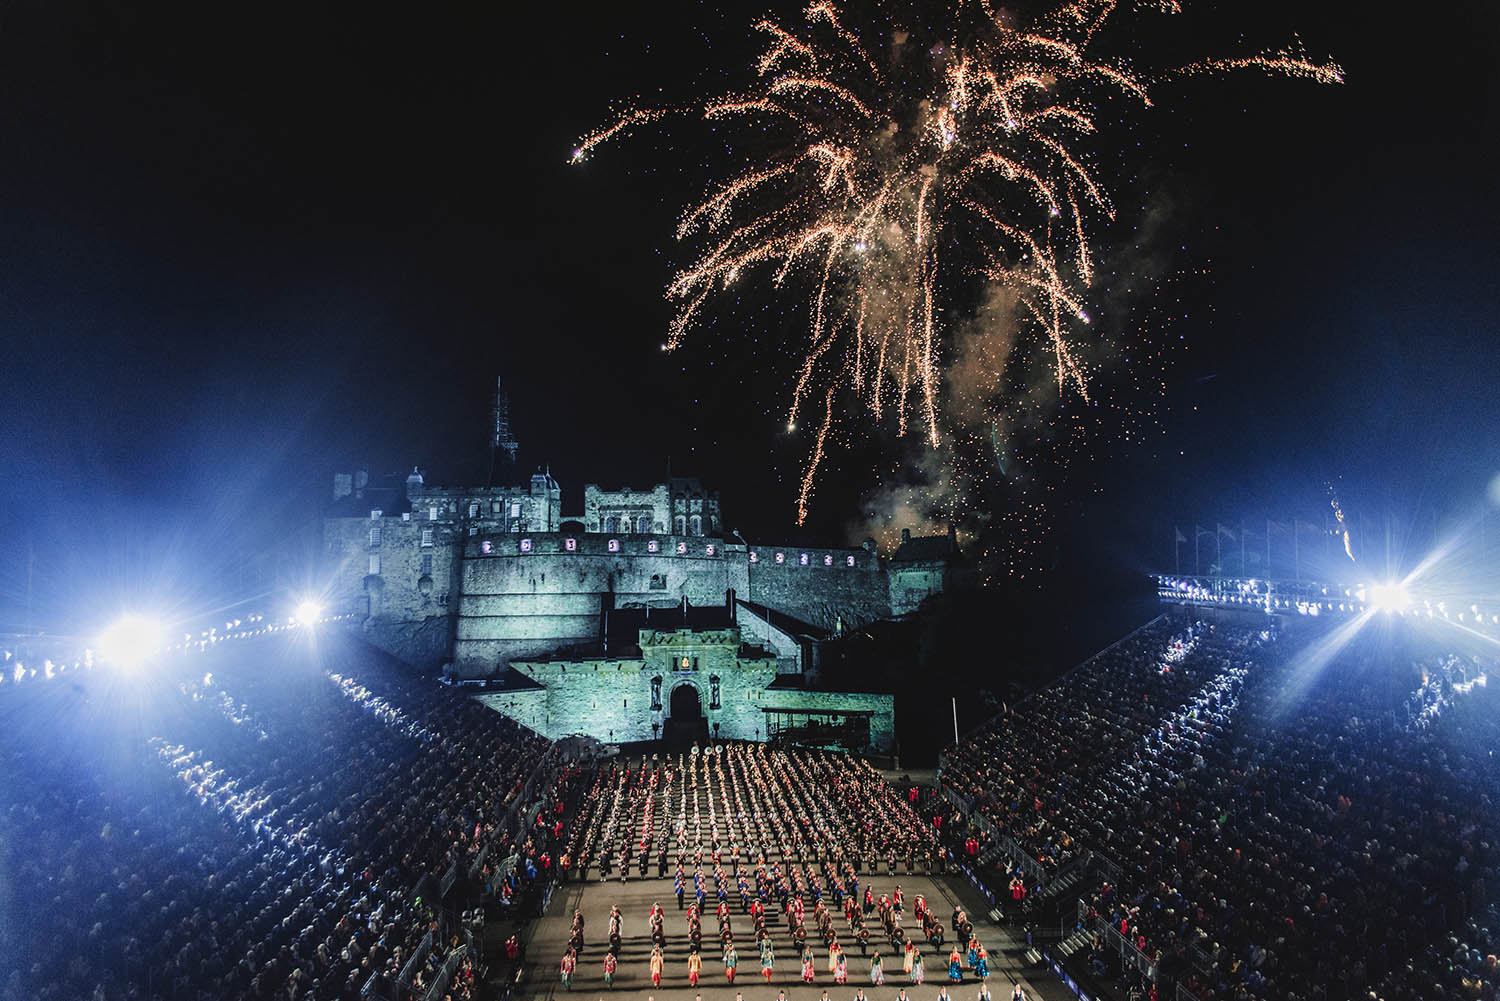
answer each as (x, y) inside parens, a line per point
(711, 679)
(485, 579)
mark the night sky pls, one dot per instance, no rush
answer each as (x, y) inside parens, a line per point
(245, 247)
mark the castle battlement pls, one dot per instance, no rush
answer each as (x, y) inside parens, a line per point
(493, 578)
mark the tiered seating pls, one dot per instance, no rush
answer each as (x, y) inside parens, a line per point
(1286, 824)
(253, 823)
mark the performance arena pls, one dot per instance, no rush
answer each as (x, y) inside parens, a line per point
(1236, 800)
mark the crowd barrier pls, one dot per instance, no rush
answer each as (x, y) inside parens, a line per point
(445, 975)
(1115, 942)
(418, 956)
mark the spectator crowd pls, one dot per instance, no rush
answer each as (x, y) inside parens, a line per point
(272, 820)
(1274, 816)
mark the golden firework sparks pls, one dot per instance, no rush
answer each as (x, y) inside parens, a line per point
(898, 158)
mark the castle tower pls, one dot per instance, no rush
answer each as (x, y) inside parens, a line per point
(503, 444)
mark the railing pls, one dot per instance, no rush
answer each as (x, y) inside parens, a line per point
(1033, 869)
(418, 956)
(1109, 869)
(1128, 952)
(477, 869)
(505, 868)
(1116, 942)
(450, 966)
(1200, 958)
(1183, 994)
(449, 878)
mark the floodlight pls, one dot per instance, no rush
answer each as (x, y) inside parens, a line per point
(1389, 597)
(309, 612)
(131, 640)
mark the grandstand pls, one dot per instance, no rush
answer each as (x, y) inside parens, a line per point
(1237, 808)
(271, 818)
(1223, 804)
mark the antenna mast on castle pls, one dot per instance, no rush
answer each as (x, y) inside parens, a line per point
(502, 440)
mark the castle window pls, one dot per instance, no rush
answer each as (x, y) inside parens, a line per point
(680, 525)
(473, 529)
(427, 563)
(642, 524)
(515, 509)
(653, 546)
(625, 523)
(696, 524)
(828, 559)
(406, 516)
(486, 547)
(525, 545)
(495, 507)
(781, 557)
(515, 524)
(713, 688)
(848, 561)
(375, 534)
(614, 545)
(571, 545)
(682, 549)
(374, 563)
(375, 514)
(802, 559)
(709, 549)
(473, 510)
(611, 525)
(426, 538)
(432, 513)
(754, 557)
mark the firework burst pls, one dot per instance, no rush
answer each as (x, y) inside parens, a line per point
(923, 155)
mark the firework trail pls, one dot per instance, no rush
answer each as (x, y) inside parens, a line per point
(1343, 529)
(909, 169)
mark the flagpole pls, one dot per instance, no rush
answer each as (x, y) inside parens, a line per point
(955, 721)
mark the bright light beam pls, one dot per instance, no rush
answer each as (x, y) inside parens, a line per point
(309, 612)
(1390, 597)
(131, 641)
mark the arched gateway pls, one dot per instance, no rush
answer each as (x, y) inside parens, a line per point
(685, 722)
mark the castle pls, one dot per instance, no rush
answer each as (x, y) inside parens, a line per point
(640, 599)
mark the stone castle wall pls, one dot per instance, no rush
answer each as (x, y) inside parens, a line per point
(611, 700)
(410, 602)
(525, 595)
(500, 595)
(823, 591)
